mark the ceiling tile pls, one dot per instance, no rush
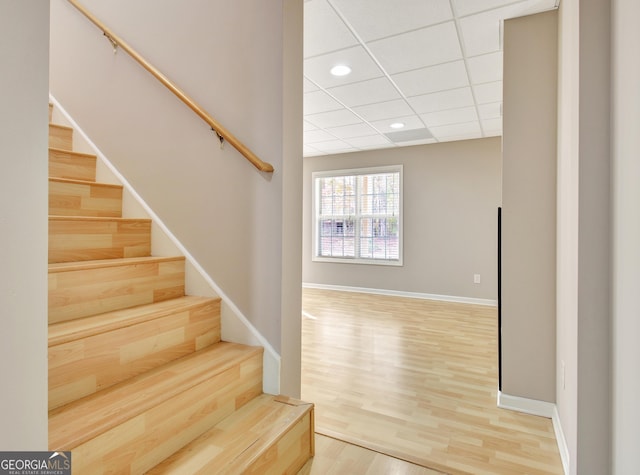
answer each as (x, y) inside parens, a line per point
(362, 67)
(471, 129)
(451, 99)
(374, 19)
(350, 131)
(467, 7)
(307, 126)
(365, 92)
(333, 118)
(492, 127)
(489, 92)
(308, 86)
(383, 110)
(490, 111)
(324, 31)
(485, 68)
(432, 79)
(410, 122)
(420, 48)
(317, 135)
(319, 101)
(309, 151)
(333, 146)
(371, 141)
(451, 116)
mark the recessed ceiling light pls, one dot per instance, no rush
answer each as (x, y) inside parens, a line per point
(340, 70)
(397, 125)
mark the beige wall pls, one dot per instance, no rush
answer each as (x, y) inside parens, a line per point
(24, 52)
(626, 236)
(229, 58)
(584, 234)
(451, 196)
(529, 206)
(291, 202)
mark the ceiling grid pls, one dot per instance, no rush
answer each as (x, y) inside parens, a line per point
(422, 71)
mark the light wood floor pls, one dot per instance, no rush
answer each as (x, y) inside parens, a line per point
(416, 379)
(335, 457)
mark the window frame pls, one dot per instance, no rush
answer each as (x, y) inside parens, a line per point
(315, 216)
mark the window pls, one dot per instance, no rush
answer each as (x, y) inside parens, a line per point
(358, 216)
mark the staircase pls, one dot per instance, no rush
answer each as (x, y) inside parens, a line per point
(139, 380)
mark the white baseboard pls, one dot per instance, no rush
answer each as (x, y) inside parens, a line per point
(543, 409)
(236, 326)
(562, 442)
(400, 293)
(526, 405)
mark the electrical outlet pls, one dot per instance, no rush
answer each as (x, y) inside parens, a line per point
(476, 278)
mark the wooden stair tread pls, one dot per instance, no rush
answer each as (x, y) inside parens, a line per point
(61, 127)
(101, 263)
(84, 419)
(71, 330)
(97, 219)
(238, 440)
(72, 153)
(83, 182)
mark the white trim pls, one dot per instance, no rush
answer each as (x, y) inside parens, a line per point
(357, 172)
(271, 360)
(401, 293)
(543, 409)
(526, 405)
(562, 442)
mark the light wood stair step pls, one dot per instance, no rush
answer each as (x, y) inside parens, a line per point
(71, 165)
(60, 136)
(84, 198)
(82, 289)
(93, 353)
(73, 239)
(50, 111)
(269, 435)
(134, 425)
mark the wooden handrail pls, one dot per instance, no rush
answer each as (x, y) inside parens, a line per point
(215, 125)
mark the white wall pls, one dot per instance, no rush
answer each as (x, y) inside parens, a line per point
(24, 53)
(451, 197)
(626, 237)
(529, 206)
(229, 58)
(583, 305)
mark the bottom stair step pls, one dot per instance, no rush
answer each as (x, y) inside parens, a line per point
(269, 435)
(134, 425)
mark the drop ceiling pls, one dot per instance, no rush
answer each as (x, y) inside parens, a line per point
(434, 66)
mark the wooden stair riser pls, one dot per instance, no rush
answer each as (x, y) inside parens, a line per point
(86, 239)
(71, 165)
(81, 367)
(82, 292)
(60, 137)
(143, 441)
(288, 454)
(82, 198)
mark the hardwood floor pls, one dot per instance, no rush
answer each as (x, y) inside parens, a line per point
(335, 457)
(416, 379)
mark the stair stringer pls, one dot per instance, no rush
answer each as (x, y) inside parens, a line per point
(236, 327)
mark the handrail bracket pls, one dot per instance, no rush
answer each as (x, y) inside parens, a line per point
(220, 137)
(113, 42)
